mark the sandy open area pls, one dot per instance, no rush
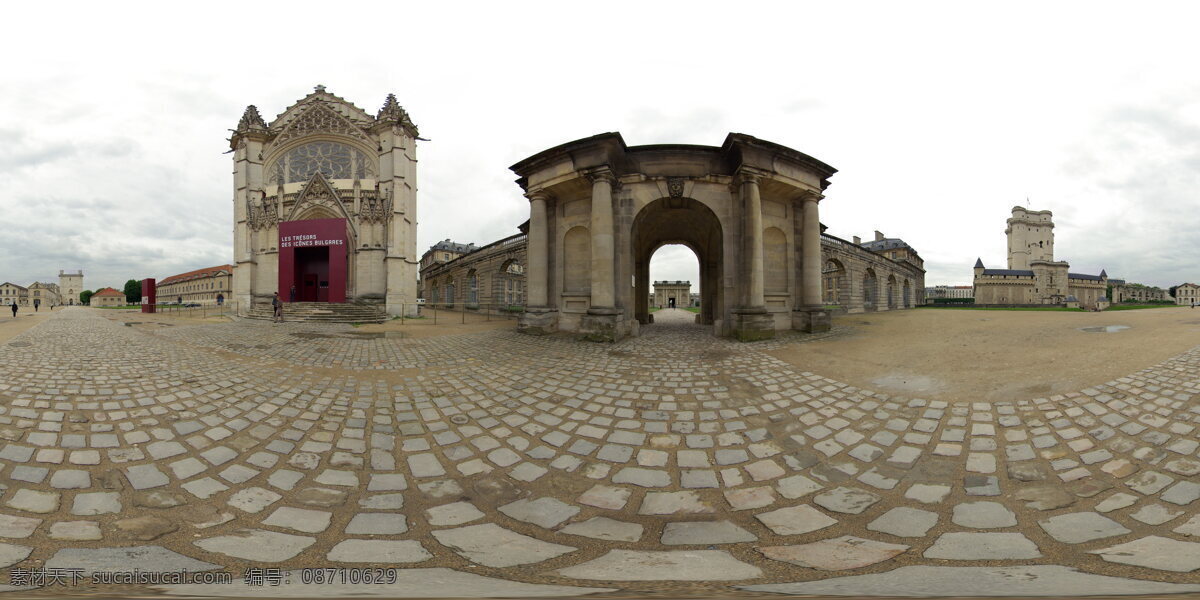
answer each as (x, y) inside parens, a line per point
(994, 355)
(25, 319)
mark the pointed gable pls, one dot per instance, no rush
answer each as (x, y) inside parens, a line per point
(319, 193)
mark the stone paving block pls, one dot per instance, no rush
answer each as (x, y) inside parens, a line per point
(795, 520)
(1182, 493)
(750, 498)
(903, 521)
(642, 477)
(205, 487)
(34, 501)
(704, 533)
(493, 546)
(455, 513)
(143, 477)
(17, 527)
(982, 546)
(604, 496)
(70, 479)
(927, 493)
(543, 512)
(846, 500)
(983, 515)
(253, 500)
(837, 554)
(603, 528)
(698, 479)
(1155, 552)
(679, 565)
(1077, 528)
(673, 503)
(299, 519)
(76, 531)
(379, 551)
(257, 545)
(1156, 514)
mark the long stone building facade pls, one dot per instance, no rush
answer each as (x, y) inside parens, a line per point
(1033, 277)
(489, 277)
(1123, 291)
(210, 285)
(325, 202)
(855, 279)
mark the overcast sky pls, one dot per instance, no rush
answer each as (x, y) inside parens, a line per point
(940, 117)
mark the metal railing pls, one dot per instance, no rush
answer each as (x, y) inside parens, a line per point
(202, 311)
(460, 312)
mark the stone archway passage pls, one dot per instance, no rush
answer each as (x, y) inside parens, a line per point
(748, 208)
(678, 221)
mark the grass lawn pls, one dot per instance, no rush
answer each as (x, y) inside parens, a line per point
(119, 307)
(968, 307)
(695, 309)
(1140, 306)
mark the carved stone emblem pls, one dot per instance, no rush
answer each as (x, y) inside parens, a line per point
(675, 187)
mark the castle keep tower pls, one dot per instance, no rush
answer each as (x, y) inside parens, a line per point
(325, 203)
(1030, 237)
(70, 284)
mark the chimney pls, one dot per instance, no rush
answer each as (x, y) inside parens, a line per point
(879, 235)
(857, 241)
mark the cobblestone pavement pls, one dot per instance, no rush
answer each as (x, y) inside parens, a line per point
(671, 457)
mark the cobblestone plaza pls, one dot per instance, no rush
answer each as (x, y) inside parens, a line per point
(674, 460)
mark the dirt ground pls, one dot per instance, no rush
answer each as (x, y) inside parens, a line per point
(25, 319)
(448, 323)
(986, 355)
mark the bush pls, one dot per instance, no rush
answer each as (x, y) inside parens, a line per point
(954, 301)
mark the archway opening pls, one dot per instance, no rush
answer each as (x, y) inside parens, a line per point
(674, 275)
(675, 222)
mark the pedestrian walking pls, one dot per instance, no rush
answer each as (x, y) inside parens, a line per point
(14, 309)
(277, 307)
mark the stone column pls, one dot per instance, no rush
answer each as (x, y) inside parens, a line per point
(810, 267)
(754, 233)
(751, 320)
(810, 316)
(537, 248)
(603, 322)
(539, 317)
(602, 240)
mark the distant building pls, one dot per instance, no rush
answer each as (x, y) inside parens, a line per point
(44, 294)
(893, 248)
(107, 297)
(70, 285)
(672, 294)
(11, 293)
(949, 291)
(1187, 294)
(202, 286)
(487, 277)
(1123, 291)
(1033, 277)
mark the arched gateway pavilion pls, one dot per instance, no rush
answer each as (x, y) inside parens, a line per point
(599, 209)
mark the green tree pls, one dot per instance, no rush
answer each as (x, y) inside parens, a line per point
(85, 296)
(133, 291)
(1171, 291)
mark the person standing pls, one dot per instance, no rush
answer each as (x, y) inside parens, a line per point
(277, 308)
(14, 309)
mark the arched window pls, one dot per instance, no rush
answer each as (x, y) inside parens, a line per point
(472, 287)
(333, 160)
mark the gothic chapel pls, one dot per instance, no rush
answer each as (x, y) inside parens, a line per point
(325, 205)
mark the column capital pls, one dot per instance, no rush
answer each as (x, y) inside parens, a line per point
(811, 196)
(749, 175)
(538, 195)
(602, 174)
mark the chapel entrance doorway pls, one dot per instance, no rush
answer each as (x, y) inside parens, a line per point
(312, 274)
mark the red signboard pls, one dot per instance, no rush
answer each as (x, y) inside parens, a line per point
(312, 260)
(149, 295)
